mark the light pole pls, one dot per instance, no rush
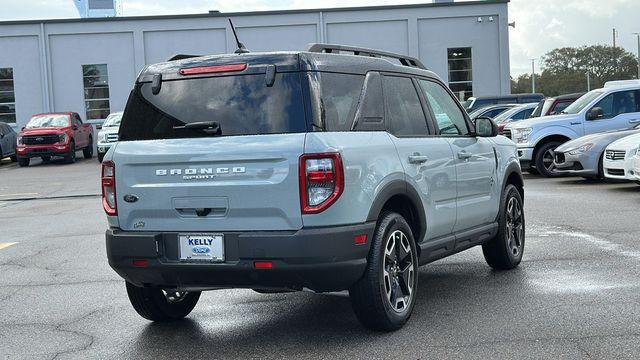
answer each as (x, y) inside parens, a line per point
(638, 38)
(533, 75)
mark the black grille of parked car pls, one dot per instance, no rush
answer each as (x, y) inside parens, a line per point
(507, 133)
(616, 172)
(615, 155)
(111, 137)
(559, 158)
(40, 139)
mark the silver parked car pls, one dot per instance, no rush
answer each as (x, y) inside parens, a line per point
(584, 155)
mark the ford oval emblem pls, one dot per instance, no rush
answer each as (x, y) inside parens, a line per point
(130, 198)
(201, 250)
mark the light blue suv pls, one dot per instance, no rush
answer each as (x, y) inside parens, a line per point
(302, 170)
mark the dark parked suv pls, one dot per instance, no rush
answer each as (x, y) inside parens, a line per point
(302, 170)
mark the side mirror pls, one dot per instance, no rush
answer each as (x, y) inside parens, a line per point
(24, 127)
(98, 126)
(595, 113)
(486, 127)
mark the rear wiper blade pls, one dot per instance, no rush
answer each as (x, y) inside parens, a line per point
(210, 127)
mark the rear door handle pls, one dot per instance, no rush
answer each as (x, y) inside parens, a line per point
(417, 159)
(463, 155)
(634, 121)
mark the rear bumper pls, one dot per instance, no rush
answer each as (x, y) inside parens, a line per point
(321, 259)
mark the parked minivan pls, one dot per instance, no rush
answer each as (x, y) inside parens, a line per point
(476, 102)
(614, 107)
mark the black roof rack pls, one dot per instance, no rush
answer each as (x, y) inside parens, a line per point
(330, 48)
(182, 56)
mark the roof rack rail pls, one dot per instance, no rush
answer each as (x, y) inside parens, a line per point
(330, 48)
(182, 56)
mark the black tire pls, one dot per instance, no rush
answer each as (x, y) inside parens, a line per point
(504, 251)
(372, 296)
(542, 159)
(14, 158)
(23, 162)
(87, 152)
(70, 158)
(100, 157)
(152, 303)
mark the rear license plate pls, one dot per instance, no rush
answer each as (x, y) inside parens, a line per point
(201, 247)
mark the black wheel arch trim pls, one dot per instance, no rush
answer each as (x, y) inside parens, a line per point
(399, 187)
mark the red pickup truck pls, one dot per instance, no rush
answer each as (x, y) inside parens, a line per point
(54, 134)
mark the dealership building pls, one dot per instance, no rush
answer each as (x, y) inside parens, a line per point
(88, 65)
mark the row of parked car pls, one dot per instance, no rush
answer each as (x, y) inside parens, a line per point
(592, 135)
(52, 135)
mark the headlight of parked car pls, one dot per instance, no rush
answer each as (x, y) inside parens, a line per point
(62, 138)
(521, 136)
(581, 149)
(101, 136)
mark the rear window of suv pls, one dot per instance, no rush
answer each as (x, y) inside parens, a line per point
(240, 105)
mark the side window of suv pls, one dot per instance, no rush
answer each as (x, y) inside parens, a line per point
(76, 118)
(617, 103)
(449, 117)
(404, 111)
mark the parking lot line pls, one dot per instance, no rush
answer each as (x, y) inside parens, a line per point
(6, 245)
(18, 195)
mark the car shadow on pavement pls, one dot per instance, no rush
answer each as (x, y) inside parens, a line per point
(302, 324)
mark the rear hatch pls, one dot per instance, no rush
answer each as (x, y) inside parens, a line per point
(212, 151)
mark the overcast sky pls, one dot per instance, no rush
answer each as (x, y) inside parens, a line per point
(541, 25)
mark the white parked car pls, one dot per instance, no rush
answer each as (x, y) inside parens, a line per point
(636, 165)
(618, 162)
(108, 134)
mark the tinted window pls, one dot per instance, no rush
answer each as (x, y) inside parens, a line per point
(449, 117)
(622, 102)
(494, 112)
(240, 105)
(404, 111)
(339, 94)
(560, 106)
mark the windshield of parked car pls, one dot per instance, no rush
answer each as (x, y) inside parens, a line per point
(113, 120)
(582, 102)
(48, 121)
(507, 115)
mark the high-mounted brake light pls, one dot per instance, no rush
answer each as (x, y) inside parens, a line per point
(109, 188)
(321, 181)
(212, 69)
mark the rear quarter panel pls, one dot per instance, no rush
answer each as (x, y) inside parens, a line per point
(370, 163)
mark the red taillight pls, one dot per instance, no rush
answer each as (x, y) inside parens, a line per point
(321, 181)
(109, 188)
(140, 263)
(212, 69)
(263, 264)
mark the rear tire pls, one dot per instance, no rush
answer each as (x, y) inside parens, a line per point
(23, 162)
(384, 297)
(544, 159)
(70, 158)
(87, 152)
(100, 157)
(156, 304)
(504, 251)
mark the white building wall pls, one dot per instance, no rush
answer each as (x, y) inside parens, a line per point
(47, 56)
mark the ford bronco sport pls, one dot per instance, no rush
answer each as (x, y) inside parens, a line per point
(316, 170)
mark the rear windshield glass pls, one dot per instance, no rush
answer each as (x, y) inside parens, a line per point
(236, 105)
(48, 121)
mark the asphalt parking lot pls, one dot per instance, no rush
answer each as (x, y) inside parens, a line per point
(576, 294)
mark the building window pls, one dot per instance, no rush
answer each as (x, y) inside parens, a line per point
(460, 72)
(7, 96)
(96, 91)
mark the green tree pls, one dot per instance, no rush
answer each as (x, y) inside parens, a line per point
(564, 70)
